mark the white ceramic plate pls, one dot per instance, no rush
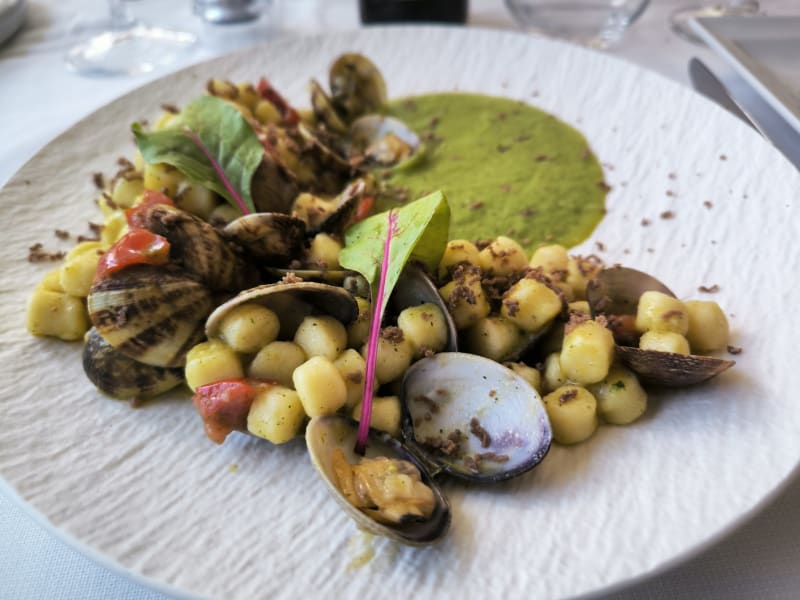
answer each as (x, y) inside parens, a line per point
(766, 52)
(145, 489)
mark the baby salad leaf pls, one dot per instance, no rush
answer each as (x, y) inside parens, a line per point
(421, 235)
(224, 133)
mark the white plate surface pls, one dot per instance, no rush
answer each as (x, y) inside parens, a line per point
(766, 52)
(145, 489)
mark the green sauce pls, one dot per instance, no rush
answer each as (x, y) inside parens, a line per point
(506, 168)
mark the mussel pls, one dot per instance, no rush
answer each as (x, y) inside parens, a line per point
(615, 293)
(464, 415)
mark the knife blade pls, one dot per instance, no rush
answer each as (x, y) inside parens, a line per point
(741, 99)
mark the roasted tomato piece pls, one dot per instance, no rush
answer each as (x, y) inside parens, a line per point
(223, 405)
(134, 215)
(136, 247)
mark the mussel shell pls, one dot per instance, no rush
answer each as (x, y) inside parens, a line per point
(669, 369)
(415, 287)
(275, 238)
(291, 302)
(324, 434)
(442, 395)
(199, 249)
(119, 376)
(153, 314)
(357, 86)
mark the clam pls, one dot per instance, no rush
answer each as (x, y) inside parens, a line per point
(292, 302)
(615, 293)
(464, 415)
(382, 140)
(357, 86)
(119, 376)
(198, 249)
(274, 238)
(473, 418)
(272, 188)
(328, 436)
(415, 287)
(152, 314)
(324, 111)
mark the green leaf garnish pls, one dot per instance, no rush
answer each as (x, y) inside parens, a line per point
(223, 132)
(422, 231)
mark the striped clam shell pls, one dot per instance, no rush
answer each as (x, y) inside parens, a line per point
(122, 377)
(153, 314)
(200, 250)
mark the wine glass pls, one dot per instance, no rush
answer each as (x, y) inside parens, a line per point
(681, 17)
(128, 47)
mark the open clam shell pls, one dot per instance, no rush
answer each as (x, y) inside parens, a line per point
(326, 434)
(473, 418)
(357, 86)
(382, 140)
(291, 302)
(413, 288)
(615, 293)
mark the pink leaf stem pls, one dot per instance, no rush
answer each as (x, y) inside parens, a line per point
(218, 168)
(374, 336)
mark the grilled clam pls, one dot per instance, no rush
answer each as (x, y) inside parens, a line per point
(119, 376)
(331, 440)
(615, 293)
(197, 248)
(150, 314)
(275, 238)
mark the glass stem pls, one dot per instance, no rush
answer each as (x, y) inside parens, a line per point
(121, 16)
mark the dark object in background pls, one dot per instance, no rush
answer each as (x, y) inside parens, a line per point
(430, 11)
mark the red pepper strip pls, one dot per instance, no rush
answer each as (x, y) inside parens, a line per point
(364, 208)
(289, 115)
(138, 246)
(223, 405)
(134, 215)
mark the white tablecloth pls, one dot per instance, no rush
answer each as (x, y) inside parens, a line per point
(39, 98)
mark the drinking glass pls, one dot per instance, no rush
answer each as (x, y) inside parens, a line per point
(129, 47)
(595, 23)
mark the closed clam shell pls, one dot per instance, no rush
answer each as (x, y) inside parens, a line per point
(275, 238)
(473, 418)
(153, 314)
(325, 434)
(119, 376)
(196, 247)
(291, 302)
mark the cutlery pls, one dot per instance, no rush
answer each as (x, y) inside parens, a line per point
(744, 102)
